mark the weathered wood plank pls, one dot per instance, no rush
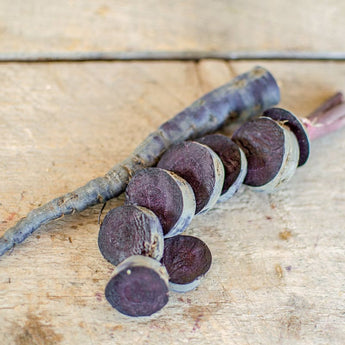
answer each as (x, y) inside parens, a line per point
(153, 25)
(278, 270)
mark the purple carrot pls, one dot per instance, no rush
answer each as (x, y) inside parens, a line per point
(130, 230)
(327, 118)
(139, 287)
(166, 194)
(200, 167)
(245, 96)
(296, 126)
(187, 259)
(272, 152)
(262, 140)
(233, 159)
(329, 104)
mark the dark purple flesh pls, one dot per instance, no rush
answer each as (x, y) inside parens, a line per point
(262, 141)
(185, 258)
(126, 231)
(296, 126)
(137, 291)
(194, 163)
(155, 189)
(229, 154)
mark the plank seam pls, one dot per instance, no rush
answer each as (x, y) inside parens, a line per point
(168, 56)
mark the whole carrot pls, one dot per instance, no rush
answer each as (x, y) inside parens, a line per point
(244, 97)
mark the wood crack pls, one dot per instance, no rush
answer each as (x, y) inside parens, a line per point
(39, 57)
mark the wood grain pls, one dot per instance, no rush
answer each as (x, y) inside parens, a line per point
(38, 26)
(278, 260)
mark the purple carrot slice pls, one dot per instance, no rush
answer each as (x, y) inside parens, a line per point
(296, 126)
(187, 259)
(200, 167)
(233, 159)
(272, 152)
(139, 287)
(130, 230)
(166, 194)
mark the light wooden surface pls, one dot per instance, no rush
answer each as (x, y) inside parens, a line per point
(154, 25)
(278, 267)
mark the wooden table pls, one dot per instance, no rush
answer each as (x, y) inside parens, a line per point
(278, 267)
